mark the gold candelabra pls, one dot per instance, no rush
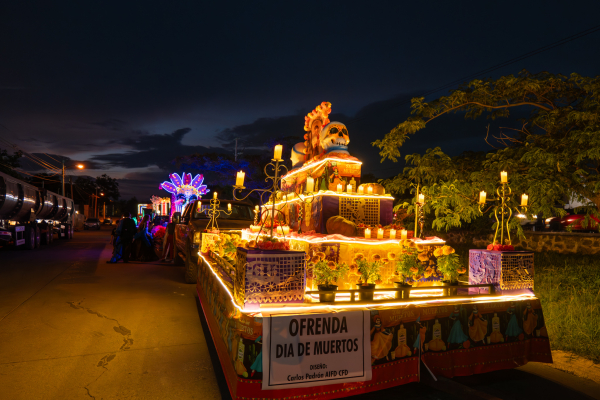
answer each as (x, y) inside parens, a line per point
(503, 211)
(274, 172)
(214, 212)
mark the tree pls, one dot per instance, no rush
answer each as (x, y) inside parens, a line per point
(109, 186)
(8, 162)
(223, 167)
(86, 187)
(553, 153)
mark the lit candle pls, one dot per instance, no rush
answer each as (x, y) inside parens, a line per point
(380, 233)
(310, 184)
(228, 206)
(403, 234)
(482, 196)
(367, 233)
(349, 188)
(278, 150)
(286, 230)
(339, 188)
(421, 198)
(369, 189)
(504, 177)
(214, 195)
(524, 200)
(239, 180)
(392, 234)
(361, 189)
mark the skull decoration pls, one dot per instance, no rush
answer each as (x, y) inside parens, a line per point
(334, 138)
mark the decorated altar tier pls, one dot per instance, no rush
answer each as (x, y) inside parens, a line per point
(453, 336)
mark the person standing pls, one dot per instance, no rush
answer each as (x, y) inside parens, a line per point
(124, 233)
(168, 242)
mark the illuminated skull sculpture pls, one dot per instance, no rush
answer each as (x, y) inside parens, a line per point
(334, 138)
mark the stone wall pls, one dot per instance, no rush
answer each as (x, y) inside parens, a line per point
(560, 242)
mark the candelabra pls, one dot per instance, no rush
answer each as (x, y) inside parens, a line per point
(274, 172)
(214, 212)
(503, 211)
(419, 215)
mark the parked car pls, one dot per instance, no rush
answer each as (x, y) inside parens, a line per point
(107, 221)
(91, 223)
(574, 222)
(194, 220)
(529, 224)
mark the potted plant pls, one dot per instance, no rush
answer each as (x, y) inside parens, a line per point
(369, 276)
(326, 273)
(448, 263)
(408, 267)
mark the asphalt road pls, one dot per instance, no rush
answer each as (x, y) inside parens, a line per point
(74, 327)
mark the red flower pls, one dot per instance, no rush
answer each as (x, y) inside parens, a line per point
(490, 247)
(497, 247)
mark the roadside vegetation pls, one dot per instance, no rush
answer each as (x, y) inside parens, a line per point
(569, 287)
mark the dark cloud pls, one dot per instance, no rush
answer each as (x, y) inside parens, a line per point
(152, 149)
(112, 123)
(453, 133)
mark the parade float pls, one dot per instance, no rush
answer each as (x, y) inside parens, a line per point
(326, 295)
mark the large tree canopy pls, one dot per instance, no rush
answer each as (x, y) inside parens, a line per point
(551, 154)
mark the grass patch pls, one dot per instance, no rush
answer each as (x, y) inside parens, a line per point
(568, 286)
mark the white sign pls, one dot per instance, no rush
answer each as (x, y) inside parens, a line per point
(316, 349)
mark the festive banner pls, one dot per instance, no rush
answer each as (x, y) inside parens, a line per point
(316, 349)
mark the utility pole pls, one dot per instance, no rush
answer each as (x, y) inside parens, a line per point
(104, 211)
(63, 177)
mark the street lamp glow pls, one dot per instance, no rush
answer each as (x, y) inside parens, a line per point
(80, 166)
(101, 194)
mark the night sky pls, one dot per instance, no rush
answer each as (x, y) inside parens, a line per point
(129, 86)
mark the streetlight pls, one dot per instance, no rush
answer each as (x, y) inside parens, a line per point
(80, 166)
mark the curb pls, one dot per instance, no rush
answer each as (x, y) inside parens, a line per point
(579, 366)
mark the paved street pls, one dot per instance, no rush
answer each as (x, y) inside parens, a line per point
(74, 327)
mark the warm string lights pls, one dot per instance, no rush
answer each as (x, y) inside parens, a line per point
(316, 165)
(267, 309)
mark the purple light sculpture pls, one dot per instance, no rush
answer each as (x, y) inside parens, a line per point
(184, 189)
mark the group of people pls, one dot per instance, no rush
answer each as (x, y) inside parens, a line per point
(132, 242)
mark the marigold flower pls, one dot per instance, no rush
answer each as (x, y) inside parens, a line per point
(447, 250)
